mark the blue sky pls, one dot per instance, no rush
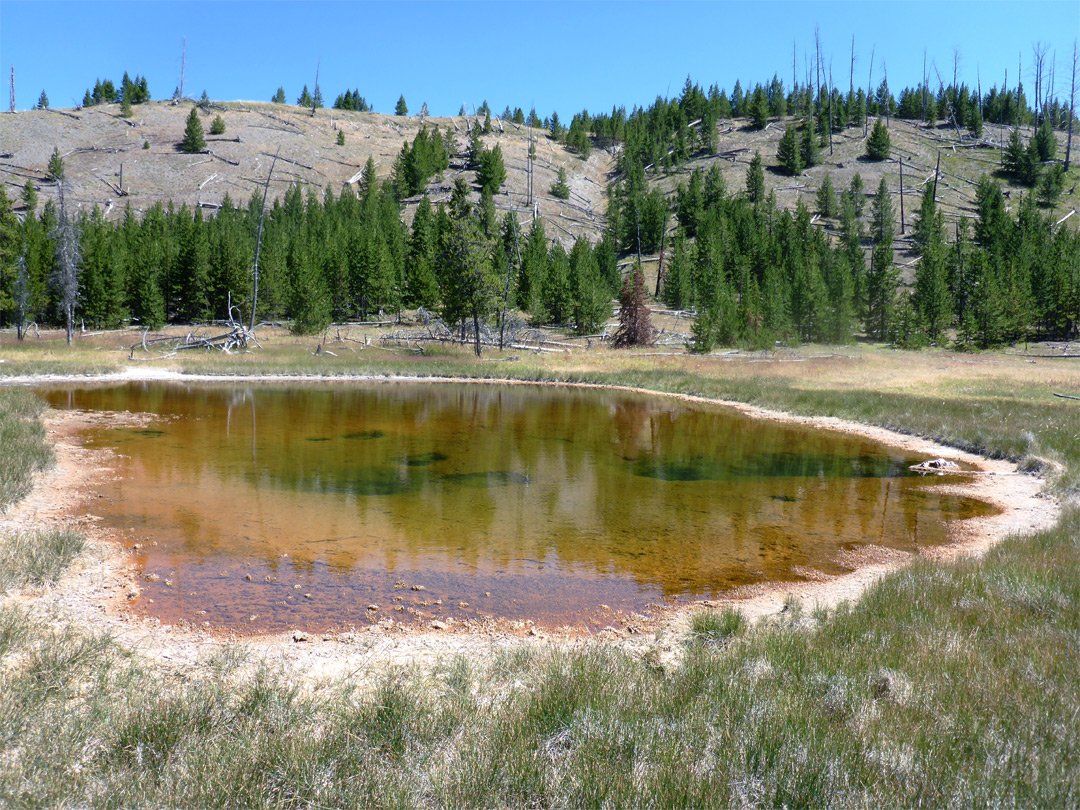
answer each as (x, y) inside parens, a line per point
(556, 56)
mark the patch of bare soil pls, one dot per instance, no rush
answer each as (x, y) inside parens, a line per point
(95, 592)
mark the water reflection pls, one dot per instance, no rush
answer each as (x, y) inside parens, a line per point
(305, 504)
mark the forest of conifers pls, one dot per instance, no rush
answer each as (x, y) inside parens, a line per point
(753, 272)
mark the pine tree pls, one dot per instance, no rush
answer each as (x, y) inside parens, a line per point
(278, 97)
(217, 126)
(878, 144)
(929, 225)
(759, 108)
(592, 297)
(855, 192)
(559, 189)
(882, 279)
(305, 99)
(87, 100)
(755, 180)
(469, 280)
(125, 106)
(341, 137)
(677, 289)
(43, 101)
(931, 298)
(492, 172)
(29, 198)
(975, 119)
(787, 152)
(194, 140)
(1045, 142)
(826, 198)
(809, 148)
(401, 108)
(55, 170)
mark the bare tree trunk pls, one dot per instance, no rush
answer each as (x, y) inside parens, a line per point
(869, 86)
(67, 263)
(923, 87)
(258, 244)
(817, 60)
(888, 106)
(1072, 105)
(829, 90)
(901, 196)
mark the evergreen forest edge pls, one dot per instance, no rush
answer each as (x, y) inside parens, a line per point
(754, 273)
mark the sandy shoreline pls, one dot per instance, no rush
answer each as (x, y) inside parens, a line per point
(96, 592)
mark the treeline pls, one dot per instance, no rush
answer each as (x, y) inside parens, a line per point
(757, 274)
(754, 273)
(321, 259)
(132, 91)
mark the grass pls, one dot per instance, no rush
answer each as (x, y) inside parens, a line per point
(943, 686)
(38, 558)
(24, 449)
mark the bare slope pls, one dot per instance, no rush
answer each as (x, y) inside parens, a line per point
(95, 142)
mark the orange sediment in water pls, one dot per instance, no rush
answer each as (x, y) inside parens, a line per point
(262, 507)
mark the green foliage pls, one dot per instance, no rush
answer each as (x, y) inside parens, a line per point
(755, 180)
(38, 558)
(1019, 162)
(1051, 185)
(279, 96)
(826, 197)
(856, 194)
(808, 147)
(55, 170)
(788, 154)
(23, 444)
(878, 145)
(469, 281)
(758, 111)
(351, 100)
(1045, 142)
(716, 626)
(931, 298)
(929, 228)
(217, 126)
(125, 108)
(341, 137)
(305, 100)
(42, 102)
(559, 189)
(883, 277)
(492, 171)
(194, 139)
(401, 108)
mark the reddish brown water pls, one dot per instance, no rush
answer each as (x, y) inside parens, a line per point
(262, 508)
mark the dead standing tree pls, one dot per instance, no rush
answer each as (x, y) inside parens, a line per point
(68, 257)
(635, 324)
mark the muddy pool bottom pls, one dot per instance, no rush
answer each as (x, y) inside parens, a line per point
(262, 508)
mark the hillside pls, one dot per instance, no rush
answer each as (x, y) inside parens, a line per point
(95, 142)
(962, 166)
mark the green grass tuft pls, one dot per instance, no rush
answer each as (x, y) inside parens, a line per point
(38, 558)
(716, 626)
